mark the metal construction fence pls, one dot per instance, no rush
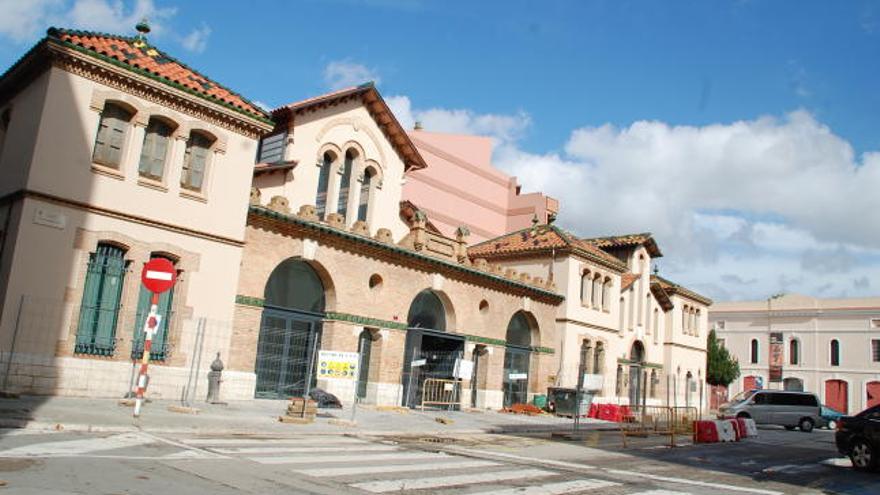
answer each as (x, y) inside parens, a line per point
(645, 421)
(40, 333)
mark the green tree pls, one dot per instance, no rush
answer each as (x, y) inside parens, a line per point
(721, 367)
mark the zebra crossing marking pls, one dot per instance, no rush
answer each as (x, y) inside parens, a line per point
(560, 488)
(393, 468)
(445, 481)
(219, 442)
(323, 459)
(301, 450)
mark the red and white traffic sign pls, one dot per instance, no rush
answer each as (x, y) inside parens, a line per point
(158, 275)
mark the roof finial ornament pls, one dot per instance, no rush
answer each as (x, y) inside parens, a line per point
(418, 125)
(656, 268)
(142, 28)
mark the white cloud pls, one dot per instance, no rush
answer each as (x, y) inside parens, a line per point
(503, 128)
(197, 40)
(26, 21)
(340, 74)
(706, 193)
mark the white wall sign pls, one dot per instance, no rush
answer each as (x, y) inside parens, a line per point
(463, 369)
(49, 218)
(518, 376)
(418, 362)
(338, 365)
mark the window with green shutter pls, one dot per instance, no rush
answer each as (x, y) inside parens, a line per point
(110, 139)
(364, 203)
(155, 149)
(195, 161)
(105, 274)
(323, 184)
(159, 347)
(345, 183)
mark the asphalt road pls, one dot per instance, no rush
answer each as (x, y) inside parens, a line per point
(777, 462)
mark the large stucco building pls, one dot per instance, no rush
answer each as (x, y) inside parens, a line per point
(298, 231)
(827, 346)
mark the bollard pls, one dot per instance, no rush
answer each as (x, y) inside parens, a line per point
(214, 380)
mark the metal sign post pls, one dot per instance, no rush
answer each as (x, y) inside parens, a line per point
(157, 276)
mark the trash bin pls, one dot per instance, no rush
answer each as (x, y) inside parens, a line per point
(563, 401)
(540, 401)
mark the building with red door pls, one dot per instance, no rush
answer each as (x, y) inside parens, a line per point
(795, 342)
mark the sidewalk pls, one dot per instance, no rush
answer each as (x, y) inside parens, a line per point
(260, 417)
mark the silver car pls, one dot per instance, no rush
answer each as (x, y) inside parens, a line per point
(775, 407)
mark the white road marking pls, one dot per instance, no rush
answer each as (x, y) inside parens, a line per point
(660, 492)
(444, 481)
(271, 441)
(619, 472)
(683, 481)
(303, 450)
(398, 468)
(67, 448)
(324, 459)
(554, 488)
(837, 462)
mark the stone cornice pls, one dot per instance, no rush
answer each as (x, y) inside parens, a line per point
(260, 217)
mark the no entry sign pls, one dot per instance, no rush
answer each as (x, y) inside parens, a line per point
(158, 275)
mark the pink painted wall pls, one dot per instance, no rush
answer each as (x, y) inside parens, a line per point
(461, 187)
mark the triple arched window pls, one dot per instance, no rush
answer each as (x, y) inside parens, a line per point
(595, 290)
(346, 186)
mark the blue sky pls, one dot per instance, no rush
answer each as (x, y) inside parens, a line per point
(741, 133)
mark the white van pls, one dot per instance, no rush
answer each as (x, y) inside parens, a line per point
(775, 407)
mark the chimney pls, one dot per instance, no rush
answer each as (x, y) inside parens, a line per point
(418, 126)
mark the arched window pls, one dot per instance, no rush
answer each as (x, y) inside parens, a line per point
(366, 190)
(597, 291)
(793, 352)
(753, 354)
(112, 130)
(323, 183)
(697, 315)
(102, 290)
(154, 151)
(835, 353)
(586, 284)
(427, 311)
(648, 327)
(294, 285)
(586, 358)
(622, 310)
(599, 359)
(345, 182)
(631, 300)
(656, 325)
(606, 294)
(196, 161)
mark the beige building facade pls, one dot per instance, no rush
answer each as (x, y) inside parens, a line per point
(830, 347)
(629, 336)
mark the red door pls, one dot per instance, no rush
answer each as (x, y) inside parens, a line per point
(750, 383)
(836, 395)
(873, 394)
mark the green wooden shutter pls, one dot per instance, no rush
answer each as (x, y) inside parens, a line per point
(111, 135)
(364, 204)
(154, 150)
(158, 350)
(323, 183)
(101, 298)
(342, 205)
(195, 162)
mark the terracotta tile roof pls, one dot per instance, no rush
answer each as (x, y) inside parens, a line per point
(539, 239)
(672, 288)
(629, 240)
(407, 213)
(375, 105)
(627, 279)
(661, 296)
(135, 54)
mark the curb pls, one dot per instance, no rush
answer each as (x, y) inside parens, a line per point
(21, 424)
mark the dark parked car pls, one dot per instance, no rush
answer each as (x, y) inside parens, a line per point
(859, 438)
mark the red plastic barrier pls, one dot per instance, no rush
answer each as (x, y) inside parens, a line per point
(594, 411)
(705, 432)
(739, 425)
